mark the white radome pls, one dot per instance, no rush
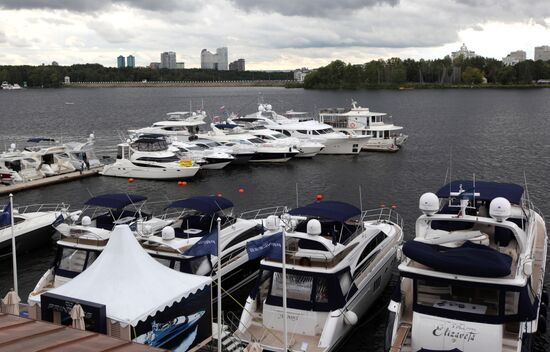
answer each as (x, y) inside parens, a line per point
(500, 209)
(429, 203)
(313, 227)
(168, 233)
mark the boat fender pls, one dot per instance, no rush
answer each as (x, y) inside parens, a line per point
(350, 318)
(541, 326)
(528, 267)
(168, 233)
(399, 253)
(352, 125)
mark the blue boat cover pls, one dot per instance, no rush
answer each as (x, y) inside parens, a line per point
(204, 204)
(469, 259)
(226, 125)
(40, 139)
(487, 190)
(332, 210)
(115, 200)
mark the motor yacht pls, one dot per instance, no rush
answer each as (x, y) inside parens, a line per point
(53, 156)
(338, 261)
(32, 227)
(242, 153)
(207, 158)
(82, 154)
(149, 158)
(230, 134)
(361, 121)
(181, 124)
(16, 167)
(472, 278)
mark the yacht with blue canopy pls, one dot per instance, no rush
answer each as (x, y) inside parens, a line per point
(472, 278)
(338, 261)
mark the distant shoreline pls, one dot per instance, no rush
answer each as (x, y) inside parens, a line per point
(164, 84)
(414, 86)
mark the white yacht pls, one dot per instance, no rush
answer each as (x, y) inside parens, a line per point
(32, 227)
(82, 154)
(149, 158)
(362, 121)
(16, 167)
(472, 278)
(308, 148)
(207, 158)
(53, 157)
(265, 152)
(192, 219)
(242, 153)
(338, 261)
(181, 124)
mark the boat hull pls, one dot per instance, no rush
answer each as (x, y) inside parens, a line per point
(26, 241)
(342, 146)
(124, 168)
(262, 157)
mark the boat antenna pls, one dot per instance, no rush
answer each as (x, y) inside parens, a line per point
(450, 173)
(526, 190)
(474, 196)
(297, 203)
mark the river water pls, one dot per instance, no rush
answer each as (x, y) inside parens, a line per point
(500, 135)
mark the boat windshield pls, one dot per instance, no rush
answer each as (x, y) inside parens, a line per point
(72, 261)
(256, 140)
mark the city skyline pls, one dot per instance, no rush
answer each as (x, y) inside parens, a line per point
(271, 35)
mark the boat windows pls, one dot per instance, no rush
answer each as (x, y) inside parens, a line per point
(150, 145)
(256, 140)
(168, 159)
(243, 237)
(304, 243)
(345, 282)
(73, 261)
(298, 287)
(374, 242)
(302, 131)
(321, 290)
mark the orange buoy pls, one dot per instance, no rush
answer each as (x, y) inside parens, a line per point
(241, 190)
(382, 205)
(184, 183)
(319, 197)
(219, 194)
(394, 206)
(130, 180)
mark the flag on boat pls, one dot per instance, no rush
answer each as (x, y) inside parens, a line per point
(268, 246)
(5, 216)
(206, 245)
(58, 221)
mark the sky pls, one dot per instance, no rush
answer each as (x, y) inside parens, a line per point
(268, 34)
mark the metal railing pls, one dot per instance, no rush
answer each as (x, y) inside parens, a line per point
(46, 207)
(263, 212)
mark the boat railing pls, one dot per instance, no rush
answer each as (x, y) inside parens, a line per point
(378, 215)
(46, 207)
(263, 213)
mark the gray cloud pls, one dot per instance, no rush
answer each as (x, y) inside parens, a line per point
(110, 33)
(97, 5)
(307, 8)
(3, 38)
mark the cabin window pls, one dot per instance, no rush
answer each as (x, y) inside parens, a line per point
(298, 287)
(374, 242)
(511, 304)
(243, 237)
(169, 159)
(458, 298)
(321, 291)
(345, 282)
(73, 260)
(286, 133)
(120, 152)
(301, 131)
(304, 243)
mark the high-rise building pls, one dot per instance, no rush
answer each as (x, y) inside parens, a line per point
(130, 61)
(542, 53)
(120, 62)
(514, 57)
(464, 52)
(180, 65)
(154, 65)
(168, 60)
(237, 65)
(217, 61)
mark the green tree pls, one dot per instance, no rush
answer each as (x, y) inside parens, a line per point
(472, 75)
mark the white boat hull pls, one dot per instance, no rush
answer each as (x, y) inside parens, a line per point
(342, 146)
(125, 168)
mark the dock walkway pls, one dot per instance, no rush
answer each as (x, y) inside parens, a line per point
(23, 186)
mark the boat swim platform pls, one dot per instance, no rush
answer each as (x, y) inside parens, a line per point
(51, 180)
(23, 334)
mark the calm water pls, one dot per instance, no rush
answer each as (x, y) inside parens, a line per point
(500, 135)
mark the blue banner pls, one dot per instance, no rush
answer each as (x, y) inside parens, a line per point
(268, 246)
(206, 245)
(5, 216)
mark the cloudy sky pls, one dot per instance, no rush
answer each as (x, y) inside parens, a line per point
(269, 34)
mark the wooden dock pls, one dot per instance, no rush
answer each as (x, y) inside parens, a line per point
(51, 180)
(22, 334)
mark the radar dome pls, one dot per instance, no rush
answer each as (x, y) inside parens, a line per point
(313, 227)
(500, 209)
(261, 107)
(268, 107)
(429, 203)
(12, 146)
(168, 233)
(272, 223)
(86, 221)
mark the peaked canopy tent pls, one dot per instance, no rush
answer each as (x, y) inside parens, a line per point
(115, 200)
(487, 190)
(136, 289)
(332, 210)
(205, 204)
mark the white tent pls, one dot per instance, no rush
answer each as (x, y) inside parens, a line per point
(129, 282)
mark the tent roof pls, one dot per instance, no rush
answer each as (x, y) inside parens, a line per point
(115, 200)
(204, 204)
(129, 282)
(332, 210)
(487, 190)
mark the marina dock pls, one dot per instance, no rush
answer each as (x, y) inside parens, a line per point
(22, 334)
(49, 181)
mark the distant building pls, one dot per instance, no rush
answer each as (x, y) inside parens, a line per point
(217, 61)
(168, 60)
(154, 65)
(120, 62)
(67, 80)
(54, 63)
(542, 53)
(300, 74)
(514, 57)
(180, 65)
(464, 52)
(237, 65)
(131, 61)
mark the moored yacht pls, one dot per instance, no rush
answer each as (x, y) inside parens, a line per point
(472, 278)
(206, 157)
(338, 261)
(149, 158)
(181, 124)
(361, 121)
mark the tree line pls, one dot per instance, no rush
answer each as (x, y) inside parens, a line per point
(48, 76)
(441, 72)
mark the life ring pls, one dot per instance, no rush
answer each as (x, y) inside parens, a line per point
(185, 163)
(352, 125)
